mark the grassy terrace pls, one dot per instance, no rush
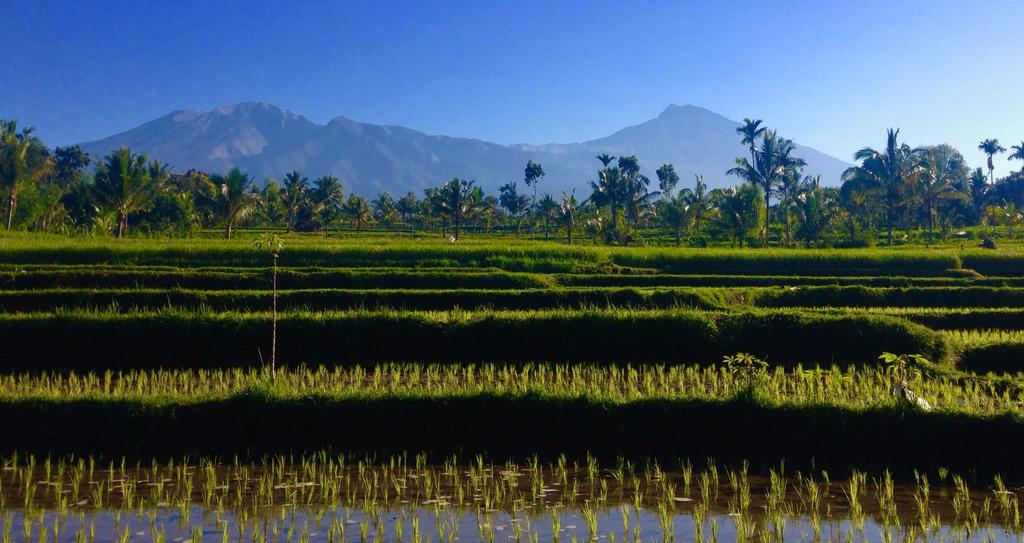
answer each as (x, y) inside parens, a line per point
(517, 256)
(36, 300)
(158, 348)
(831, 415)
(96, 340)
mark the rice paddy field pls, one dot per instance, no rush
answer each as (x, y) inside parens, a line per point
(507, 391)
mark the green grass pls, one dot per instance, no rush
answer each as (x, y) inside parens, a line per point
(532, 256)
(829, 418)
(940, 318)
(337, 299)
(99, 339)
(989, 351)
(862, 296)
(509, 347)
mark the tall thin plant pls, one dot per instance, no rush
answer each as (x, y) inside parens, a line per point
(273, 244)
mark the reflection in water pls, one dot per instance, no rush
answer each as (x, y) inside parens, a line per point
(323, 498)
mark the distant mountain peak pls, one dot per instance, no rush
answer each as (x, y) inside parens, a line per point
(674, 110)
(266, 140)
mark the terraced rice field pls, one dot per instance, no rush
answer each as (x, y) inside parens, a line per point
(555, 365)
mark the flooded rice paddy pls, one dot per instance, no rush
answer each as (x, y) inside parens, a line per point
(407, 499)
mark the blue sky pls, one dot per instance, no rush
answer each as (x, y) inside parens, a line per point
(832, 75)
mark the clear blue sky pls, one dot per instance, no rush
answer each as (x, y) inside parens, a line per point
(833, 75)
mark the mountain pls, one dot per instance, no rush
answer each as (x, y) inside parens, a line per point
(268, 141)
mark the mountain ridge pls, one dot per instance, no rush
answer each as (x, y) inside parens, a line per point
(268, 140)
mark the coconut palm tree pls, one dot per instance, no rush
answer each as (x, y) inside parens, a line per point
(886, 171)
(675, 214)
(991, 148)
(567, 210)
(738, 209)
(697, 201)
(124, 185)
(23, 159)
(357, 210)
(328, 195)
(236, 196)
(791, 187)
(514, 203)
(296, 194)
(772, 162)
(816, 207)
(406, 206)
(1017, 153)
(750, 130)
(456, 202)
(547, 208)
(605, 159)
(978, 183)
(935, 175)
(635, 199)
(384, 209)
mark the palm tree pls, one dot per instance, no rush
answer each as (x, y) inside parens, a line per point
(514, 203)
(1017, 153)
(384, 209)
(296, 188)
(991, 148)
(790, 189)
(738, 209)
(23, 159)
(124, 184)
(328, 195)
(935, 176)
(357, 210)
(667, 180)
(456, 202)
(548, 208)
(567, 210)
(750, 130)
(697, 201)
(886, 171)
(271, 207)
(816, 207)
(772, 162)
(407, 206)
(621, 187)
(675, 214)
(637, 200)
(237, 198)
(978, 183)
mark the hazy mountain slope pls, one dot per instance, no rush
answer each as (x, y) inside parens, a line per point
(268, 141)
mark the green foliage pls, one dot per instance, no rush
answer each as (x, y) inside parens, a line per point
(97, 340)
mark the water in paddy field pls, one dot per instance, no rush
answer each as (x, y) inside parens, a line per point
(355, 524)
(397, 503)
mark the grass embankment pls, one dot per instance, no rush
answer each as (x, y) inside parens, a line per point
(833, 419)
(940, 318)
(526, 257)
(127, 299)
(985, 351)
(98, 340)
(335, 299)
(26, 277)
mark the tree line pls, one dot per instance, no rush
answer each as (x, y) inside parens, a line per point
(929, 190)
